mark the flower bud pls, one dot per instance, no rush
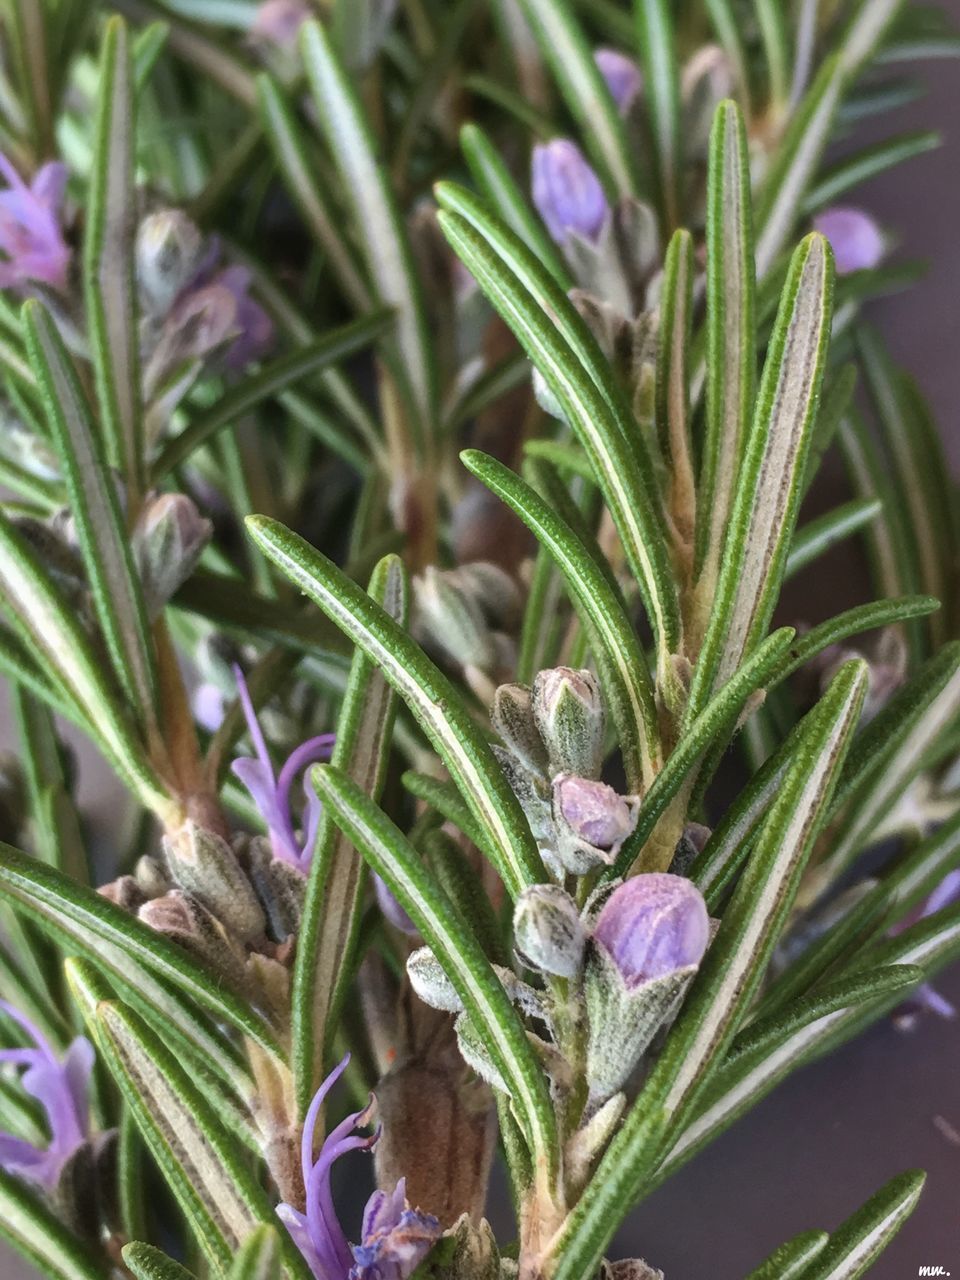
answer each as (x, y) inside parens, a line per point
(513, 719)
(622, 75)
(279, 21)
(430, 982)
(167, 255)
(568, 710)
(653, 925)
(547, 932)
(203, 864)
(181, 917)
(856, 240)
(567, 192)
(592, 821)
(168, 541)
(647, 944)
(453, 620)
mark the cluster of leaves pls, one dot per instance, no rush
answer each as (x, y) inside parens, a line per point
(648, 505)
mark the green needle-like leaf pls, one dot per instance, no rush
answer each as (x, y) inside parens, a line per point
(104, 540)
(617, 650)
(109, 274)
(331, 915)
(454, 944)
(145, 1262)
(35, 1232)
(429, 694)
(661, 88)
(790, 1260)
(260, 1256)
(855, 1246)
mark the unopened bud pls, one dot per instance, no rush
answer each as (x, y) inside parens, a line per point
(856, 240)
(181, 917)
(647, 944)
(453, 620)
(494, 590)
(203, 864)
(547, 932)
(125, 893)
(568, 710)
(168, 254)
(430, 982)
(168, 541)
(567, 192)
(622, 75)
(592, 821)
(513, 719)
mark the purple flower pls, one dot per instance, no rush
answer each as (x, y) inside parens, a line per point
(855, 238)
(622, 75)
(62, 1089)
(653, 925)
(595, 812)
(279, 21)
(567, 192)
(31, 239)
(271, 792)
(395, 1238)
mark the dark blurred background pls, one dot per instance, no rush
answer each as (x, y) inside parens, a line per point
(828, 1138)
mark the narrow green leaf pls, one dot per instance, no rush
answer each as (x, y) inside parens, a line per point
(104, 540)
(429, 694)
(774, 1047)
(149, 1263)
(290, 151)
(277, 377)
(544, 322)
(826, 531)
(447, 800)
(389, 260)
(616, 648)
(661, 88)
(36, 1233)
(856, 1245)
(567, 51)
(771, 478)
(717, 718)
(331, 915)
(109, 274)
(454, 944)
(919, 871)
(216, 1190)
(498, 188)
(88, 924)
(867, 163)
(790, 1260)
(921, 712)
(776, 49)
(731, 331)
(259, 1257)
(46, 625)
(727, 27)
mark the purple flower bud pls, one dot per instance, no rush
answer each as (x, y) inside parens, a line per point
(395, 1238)
(255, 337)
(392, 909)
(595, 813)
(31, 239)
(62, 1087)
(279, 21)
(653, 925)
(567, 192)
(623, 76)
(856, 239)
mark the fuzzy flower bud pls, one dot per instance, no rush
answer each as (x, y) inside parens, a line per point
(592, 822)
(648, 941)
(547, 932)
(567, 192)
(622, 75)
(204, 865)
(855, 238)
(279, 21)
(167, 255)
(513, 719)
(168, 541)
(569, 713)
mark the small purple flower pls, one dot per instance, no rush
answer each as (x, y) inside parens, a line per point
(855, 238)
(279, 21)
(62, 1089)
(596, 813)
(31, 239)
(567, 192)
(653, 925)
(271, 792)
(623, 76)
(395, 1238)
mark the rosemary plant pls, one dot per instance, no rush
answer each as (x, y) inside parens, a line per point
(426, 853)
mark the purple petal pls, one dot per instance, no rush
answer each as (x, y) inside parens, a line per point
(567, 192)
(855, 238)
(947, 891)
(622, 75)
